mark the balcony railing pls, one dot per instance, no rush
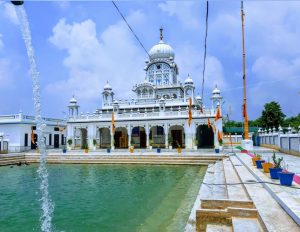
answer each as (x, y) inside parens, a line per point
(138, 115)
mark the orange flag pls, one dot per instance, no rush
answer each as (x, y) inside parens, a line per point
(219, 135)
(113, 122)
(190, 112)
(208, 123)
(32, 136)
(218, 114)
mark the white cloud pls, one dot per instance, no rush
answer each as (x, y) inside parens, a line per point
(185, 11)
(1, 42)
(63, 5)
(92, 60)
(190, 61)
(10, 13)
(5, 73)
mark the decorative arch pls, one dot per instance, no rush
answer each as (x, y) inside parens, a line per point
(83, 137)
(205, 136)
(104, 137)
(138, 137)
(157, 137)
(176, 136)
(121, 137)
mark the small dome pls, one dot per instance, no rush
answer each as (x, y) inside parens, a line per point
(198, 98)
(161, 50)
(216, 91)
(189, 80)
(107, 86)
(73, 100)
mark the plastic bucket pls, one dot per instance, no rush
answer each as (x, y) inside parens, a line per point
(259, 163)
(286, 178)
(274, 172)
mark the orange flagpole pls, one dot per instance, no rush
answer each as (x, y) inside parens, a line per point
(246, 128)
(32, 136)
(190, 112)
(218, 114)
(113, 122)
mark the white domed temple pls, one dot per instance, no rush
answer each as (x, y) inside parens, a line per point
(156, 117)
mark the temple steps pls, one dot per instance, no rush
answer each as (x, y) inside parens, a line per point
(225, 205)
(246, 225)
(218, 228)
(128, 159)
(11, 159)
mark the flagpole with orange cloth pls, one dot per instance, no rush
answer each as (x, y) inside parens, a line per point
(218, 114)
(32, 136)
(208, 123)
(113, 123)
(246, 128)
(190, 116)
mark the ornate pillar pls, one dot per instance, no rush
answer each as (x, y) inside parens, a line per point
(147, 135)
(112, 140)
(2, 145)
(188, 135)
(166, 130)
(129, 135)
(91, 135)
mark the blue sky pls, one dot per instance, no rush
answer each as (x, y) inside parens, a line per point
(81, 45)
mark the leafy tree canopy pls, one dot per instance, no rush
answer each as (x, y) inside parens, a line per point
(272, 115)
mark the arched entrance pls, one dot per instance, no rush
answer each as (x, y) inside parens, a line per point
(157, 137)
(138, 137)
(121, 137)
(104, 138)
(83, 137)
(205, 136)
(176, 136)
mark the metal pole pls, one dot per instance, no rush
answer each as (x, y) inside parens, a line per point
(246, 128)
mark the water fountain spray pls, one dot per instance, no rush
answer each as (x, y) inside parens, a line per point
(46, 203)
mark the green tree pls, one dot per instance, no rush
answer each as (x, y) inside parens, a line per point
(292, 121)
(272, 115)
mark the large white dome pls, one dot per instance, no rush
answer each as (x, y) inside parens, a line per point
(161, 50)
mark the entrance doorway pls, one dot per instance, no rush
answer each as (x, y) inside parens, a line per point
(176, 136)
(121, 137)
(138, 137)
(34, 145)
(104, 138)
(205, 137)
(56, 141)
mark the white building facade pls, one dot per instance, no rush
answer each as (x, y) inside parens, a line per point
(18, 133)
(156, 117)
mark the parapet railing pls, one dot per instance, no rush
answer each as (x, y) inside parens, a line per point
(27, 118)
(139, 115)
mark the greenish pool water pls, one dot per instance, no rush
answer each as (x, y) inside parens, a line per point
(90, 197)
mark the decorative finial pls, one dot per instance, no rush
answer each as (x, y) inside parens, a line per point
(161, 33)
